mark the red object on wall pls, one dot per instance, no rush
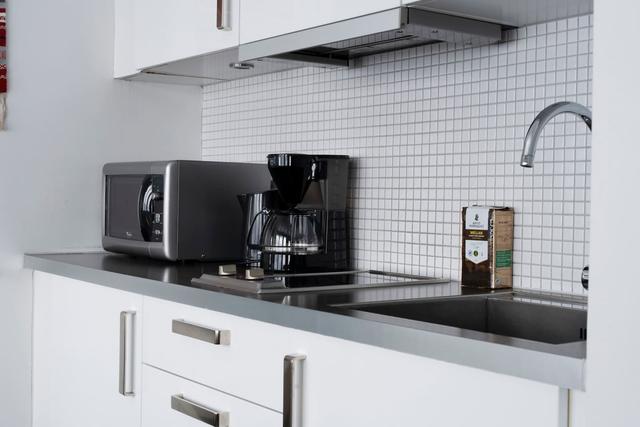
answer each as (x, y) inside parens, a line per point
(3, 64)
(3, 78)
(3, 27)
(3, 46)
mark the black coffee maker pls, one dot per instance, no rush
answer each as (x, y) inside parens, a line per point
(306, 230)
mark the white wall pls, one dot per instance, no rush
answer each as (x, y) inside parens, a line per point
(67, 117)
(613, 349)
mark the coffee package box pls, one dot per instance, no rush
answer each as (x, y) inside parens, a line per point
(487, 247)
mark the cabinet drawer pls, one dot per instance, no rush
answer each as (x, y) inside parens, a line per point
(171, 401)
(236, 355)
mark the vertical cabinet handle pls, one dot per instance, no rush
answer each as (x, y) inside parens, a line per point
(222, 14)
(293, 381)
(201, 413)
(200, 332)
(126, 353)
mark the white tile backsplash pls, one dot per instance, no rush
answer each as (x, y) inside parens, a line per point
(430, 130)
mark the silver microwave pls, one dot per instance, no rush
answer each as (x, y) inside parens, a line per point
(177, 210)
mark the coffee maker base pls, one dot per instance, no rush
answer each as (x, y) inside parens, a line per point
(314, 282)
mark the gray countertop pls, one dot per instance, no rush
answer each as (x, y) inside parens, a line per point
(561, 365)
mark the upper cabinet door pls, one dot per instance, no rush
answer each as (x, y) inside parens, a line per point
(167, 31)
(124, 59)
(261, 19)
(517, 13)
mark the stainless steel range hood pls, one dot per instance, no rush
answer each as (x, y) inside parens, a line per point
(338, 43)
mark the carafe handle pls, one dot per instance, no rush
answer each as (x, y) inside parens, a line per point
(264, 211)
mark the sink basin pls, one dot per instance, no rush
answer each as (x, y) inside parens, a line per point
(507, 315)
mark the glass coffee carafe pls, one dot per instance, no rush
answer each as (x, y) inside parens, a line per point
(295, 232)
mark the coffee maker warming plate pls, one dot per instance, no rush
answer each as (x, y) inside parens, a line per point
(316, 282)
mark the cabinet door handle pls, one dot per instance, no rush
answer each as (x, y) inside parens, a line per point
(125, 386)
(201, 413)
(222, 14)
(200, 332)
(293, 381)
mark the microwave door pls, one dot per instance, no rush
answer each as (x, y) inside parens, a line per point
(123, 213)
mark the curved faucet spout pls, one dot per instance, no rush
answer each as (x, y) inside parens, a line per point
(531, 140)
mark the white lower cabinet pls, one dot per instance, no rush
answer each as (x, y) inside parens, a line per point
(172, 401)
(345, 384)
(246, 362)
(348, 384)
(577, 408)
(80, 376)
(189, 366)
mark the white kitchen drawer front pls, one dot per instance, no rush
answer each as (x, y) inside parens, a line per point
(171, 401)
(236, 355)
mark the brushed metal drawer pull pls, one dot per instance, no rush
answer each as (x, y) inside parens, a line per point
(126, 374)
(201, 413)
(200, 332)
(293, 381)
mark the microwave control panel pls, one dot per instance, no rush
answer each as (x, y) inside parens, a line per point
(152, 208)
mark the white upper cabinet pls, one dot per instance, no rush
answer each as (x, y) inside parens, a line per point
(261, 19)
(515, 13)
(124, 59)
(195, 41)
(168, 31)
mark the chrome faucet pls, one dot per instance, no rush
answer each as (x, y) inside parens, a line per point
(533, 134)
(531, 140)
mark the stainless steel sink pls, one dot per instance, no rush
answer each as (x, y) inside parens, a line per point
(510, 314)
